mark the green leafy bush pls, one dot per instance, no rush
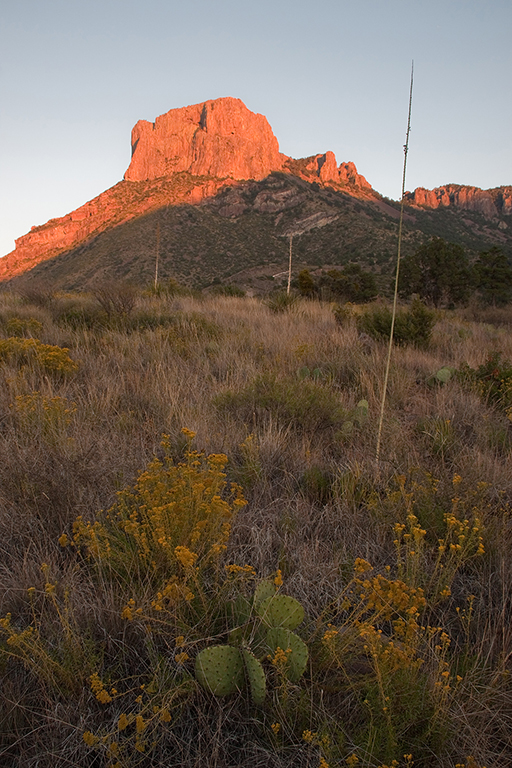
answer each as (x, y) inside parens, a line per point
(228, 290)
(23, 326)
(493, 379)
(412, 326)
(305, 404)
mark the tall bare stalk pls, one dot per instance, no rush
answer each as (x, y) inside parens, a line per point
(395, 296)
(290, 267)
(157, 253)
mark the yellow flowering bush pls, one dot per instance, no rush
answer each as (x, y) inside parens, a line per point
(50, 417)
(47, 357)
(176, 518)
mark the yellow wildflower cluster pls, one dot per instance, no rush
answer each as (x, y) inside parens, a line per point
(176, 516)
(387, 597)
(46, 356)
(172, 594)
(463, 537)
(99, 690)
(361, 566)
(278, 581)
(185, 557)
(240, 570)
(90, 739)
(280, 658)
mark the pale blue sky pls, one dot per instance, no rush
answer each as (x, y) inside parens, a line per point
(76, 75)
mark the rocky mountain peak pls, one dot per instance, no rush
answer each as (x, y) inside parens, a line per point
(219, 138)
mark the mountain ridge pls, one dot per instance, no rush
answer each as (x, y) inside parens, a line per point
(201, 156)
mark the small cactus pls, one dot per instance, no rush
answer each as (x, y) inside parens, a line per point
(260, 626)
(220, 669)
(360, 413)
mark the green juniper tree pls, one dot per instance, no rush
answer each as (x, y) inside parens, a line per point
(439, 272)
(494, 277)
(352, 283)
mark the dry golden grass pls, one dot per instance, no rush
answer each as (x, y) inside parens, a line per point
(316, 503)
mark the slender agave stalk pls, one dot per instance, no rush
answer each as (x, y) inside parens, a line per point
(157, 253)
(290, 267)
(395, 296)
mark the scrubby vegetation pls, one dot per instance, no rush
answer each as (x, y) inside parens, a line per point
(201, 563)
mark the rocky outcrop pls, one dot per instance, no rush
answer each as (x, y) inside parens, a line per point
(488, 202)
(220, 138)
(328, 171)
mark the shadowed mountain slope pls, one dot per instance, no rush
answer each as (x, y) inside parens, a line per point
(208, 188)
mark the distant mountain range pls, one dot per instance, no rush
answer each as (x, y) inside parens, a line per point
(209, 193)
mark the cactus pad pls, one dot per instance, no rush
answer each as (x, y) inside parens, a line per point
(240, 610)
(220, 670)
(277, 637)
(264, 590)
(255, 675)
(281, 611)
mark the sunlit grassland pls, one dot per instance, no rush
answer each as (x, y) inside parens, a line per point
(403, 569)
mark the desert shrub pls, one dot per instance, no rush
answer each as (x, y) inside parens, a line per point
(47, 417)
(343, 313)
(174, 515)
(351, 283)
(306, 284)
(492, 379)
(23, 326)
(317, 484)
(39, 294)
(228, 290)
(437, 272)
(494, 277)
(280, 302)
(301, 404)
(79, 315)
(116, 298)
(167, 288)
(412, 326)
(45, 356)
(184, 326)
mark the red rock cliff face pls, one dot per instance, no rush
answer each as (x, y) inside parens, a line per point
(220, 138)
(489, 202)
(328, 171)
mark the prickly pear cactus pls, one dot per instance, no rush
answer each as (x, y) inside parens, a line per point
(361, 412)
(278, 637)
(260, 625)
(255, 675)
(220, 670)
(281, 611)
